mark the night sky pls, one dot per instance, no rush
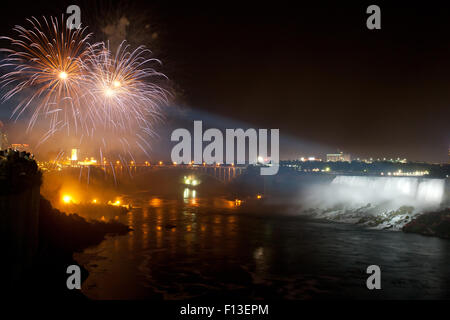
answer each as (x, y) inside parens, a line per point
(315, 72)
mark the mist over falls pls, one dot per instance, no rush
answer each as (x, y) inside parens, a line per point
(381, 202)
(399, 191)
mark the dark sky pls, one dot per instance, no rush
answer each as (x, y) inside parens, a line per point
(313, 71)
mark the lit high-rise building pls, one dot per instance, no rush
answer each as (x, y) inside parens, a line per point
(74, 154)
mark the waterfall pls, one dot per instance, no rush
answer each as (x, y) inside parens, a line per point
(404, 190)
(376, 201)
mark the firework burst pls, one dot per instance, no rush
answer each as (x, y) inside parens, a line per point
(123, 89)
(80, 88)
(44, 66)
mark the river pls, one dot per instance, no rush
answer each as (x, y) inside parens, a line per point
(211, 248)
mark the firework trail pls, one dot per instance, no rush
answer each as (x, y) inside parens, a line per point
(46, 59)
(81, 88)
(123, 90)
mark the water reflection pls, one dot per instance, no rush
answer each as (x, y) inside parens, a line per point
(155, 202)
(212, 247)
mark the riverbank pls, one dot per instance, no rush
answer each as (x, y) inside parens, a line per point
(60, 236)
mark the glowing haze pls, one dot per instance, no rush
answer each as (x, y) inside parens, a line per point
(82, 91)
(358, 191)
(391, 200)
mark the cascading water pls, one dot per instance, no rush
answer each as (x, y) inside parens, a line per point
(408, 191)
(383, 202)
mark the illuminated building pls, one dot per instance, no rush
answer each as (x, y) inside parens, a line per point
(21, 147)
(338, 157)
(74, 154)
(88, 162)
(191, 180)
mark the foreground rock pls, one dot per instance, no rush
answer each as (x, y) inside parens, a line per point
(60, 236)
(436, 224)
(37, 242)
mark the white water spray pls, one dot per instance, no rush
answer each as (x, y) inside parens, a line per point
(377, 201)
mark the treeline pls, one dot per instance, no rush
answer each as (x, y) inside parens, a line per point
(18, 171)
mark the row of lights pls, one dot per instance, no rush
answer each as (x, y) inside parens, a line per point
(407, 174)
(68, 199)
(93, 161)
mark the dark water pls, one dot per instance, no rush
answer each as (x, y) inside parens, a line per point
(209, 248)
